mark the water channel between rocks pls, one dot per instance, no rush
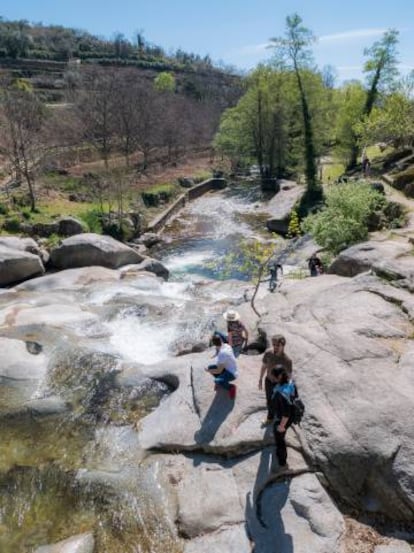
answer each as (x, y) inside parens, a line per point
(52, 460)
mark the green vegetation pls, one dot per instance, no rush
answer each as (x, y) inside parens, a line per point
(248, 260)
(53, 43)
(332, 171)
(351, 210)
(294, 225)
(159, 193)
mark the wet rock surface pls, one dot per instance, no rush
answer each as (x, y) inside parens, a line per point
(108, 432)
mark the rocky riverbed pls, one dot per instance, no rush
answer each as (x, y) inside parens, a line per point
(110, 441)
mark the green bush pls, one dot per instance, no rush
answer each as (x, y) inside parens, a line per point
(157, 193)
(12, 224)
(3, 209)
(93, 218)
(52, 241)
(346, 216)
(402, 179)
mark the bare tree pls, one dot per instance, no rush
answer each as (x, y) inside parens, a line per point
(96, 109)
(22, 134)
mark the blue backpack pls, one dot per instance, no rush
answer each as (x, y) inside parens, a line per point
(289, 392)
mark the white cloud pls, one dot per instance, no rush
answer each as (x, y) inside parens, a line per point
(348, 36)
(253, 49)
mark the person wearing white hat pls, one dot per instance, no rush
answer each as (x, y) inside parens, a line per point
(236, 331)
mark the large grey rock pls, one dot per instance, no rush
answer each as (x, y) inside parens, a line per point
(351, 356)
(69, 226)
(71, 279)
(24, 244)
(93, 249)
(233, 505)
(154, 266)
(361, 257)
(18, 265)
(82, 543)
(281, 205)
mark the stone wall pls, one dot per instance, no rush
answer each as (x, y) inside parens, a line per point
(211, 184)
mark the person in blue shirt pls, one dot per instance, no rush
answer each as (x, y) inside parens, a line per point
(284, 391)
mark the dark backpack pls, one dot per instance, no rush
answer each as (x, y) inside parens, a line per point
(298, 410)
(296, 404)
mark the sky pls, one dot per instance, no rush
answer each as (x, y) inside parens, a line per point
(236, 32)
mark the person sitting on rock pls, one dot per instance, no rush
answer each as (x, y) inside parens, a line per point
(315, 265)
(272, 359)
(237, 333)
(224, 370)
(283, 390)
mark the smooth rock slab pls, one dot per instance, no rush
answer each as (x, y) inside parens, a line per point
(18, 265)
(395, 546)
(82, 543)
(93, 249)
(16, 363)
(360, 258)
(208, 500)
(227, 540)
(350, 349)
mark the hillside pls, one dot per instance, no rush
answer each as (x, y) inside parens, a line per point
(47, 55)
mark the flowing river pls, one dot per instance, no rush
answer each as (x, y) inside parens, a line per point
(65, 471)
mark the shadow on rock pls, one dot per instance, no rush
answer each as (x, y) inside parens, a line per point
(215, 416)
(264, 505)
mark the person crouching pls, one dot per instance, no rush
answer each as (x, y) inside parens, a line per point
(284, 391)
(224, 370)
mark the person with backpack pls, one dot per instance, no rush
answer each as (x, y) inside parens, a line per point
(284, 395)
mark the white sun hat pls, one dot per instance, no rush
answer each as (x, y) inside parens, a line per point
(231, 315)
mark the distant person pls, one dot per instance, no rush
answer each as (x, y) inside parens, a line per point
(283, 392)
(315, 265)
(237, 334)
(274, 358)
(274, 270)
(224, 369)
(367, 168)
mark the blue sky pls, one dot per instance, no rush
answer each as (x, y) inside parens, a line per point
(236, 31)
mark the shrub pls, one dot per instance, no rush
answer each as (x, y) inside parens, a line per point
(294, 225)
(402, 179)
(12, 224)
(3, 209)
(157, 193)
(52, 241)
(345, 218)
(93, 218)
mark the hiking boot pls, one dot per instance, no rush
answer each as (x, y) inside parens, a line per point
(232, 391)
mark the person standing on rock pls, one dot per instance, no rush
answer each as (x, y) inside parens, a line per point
(224, 370)
(284, 390)
(274, 358)
(315, 265)
(237, 333)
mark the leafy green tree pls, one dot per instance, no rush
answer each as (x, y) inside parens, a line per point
(257, 128)
(165, 82)
(350, 100)
(392, 122)
(345, 218)
(381, 71)
(293, 50)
